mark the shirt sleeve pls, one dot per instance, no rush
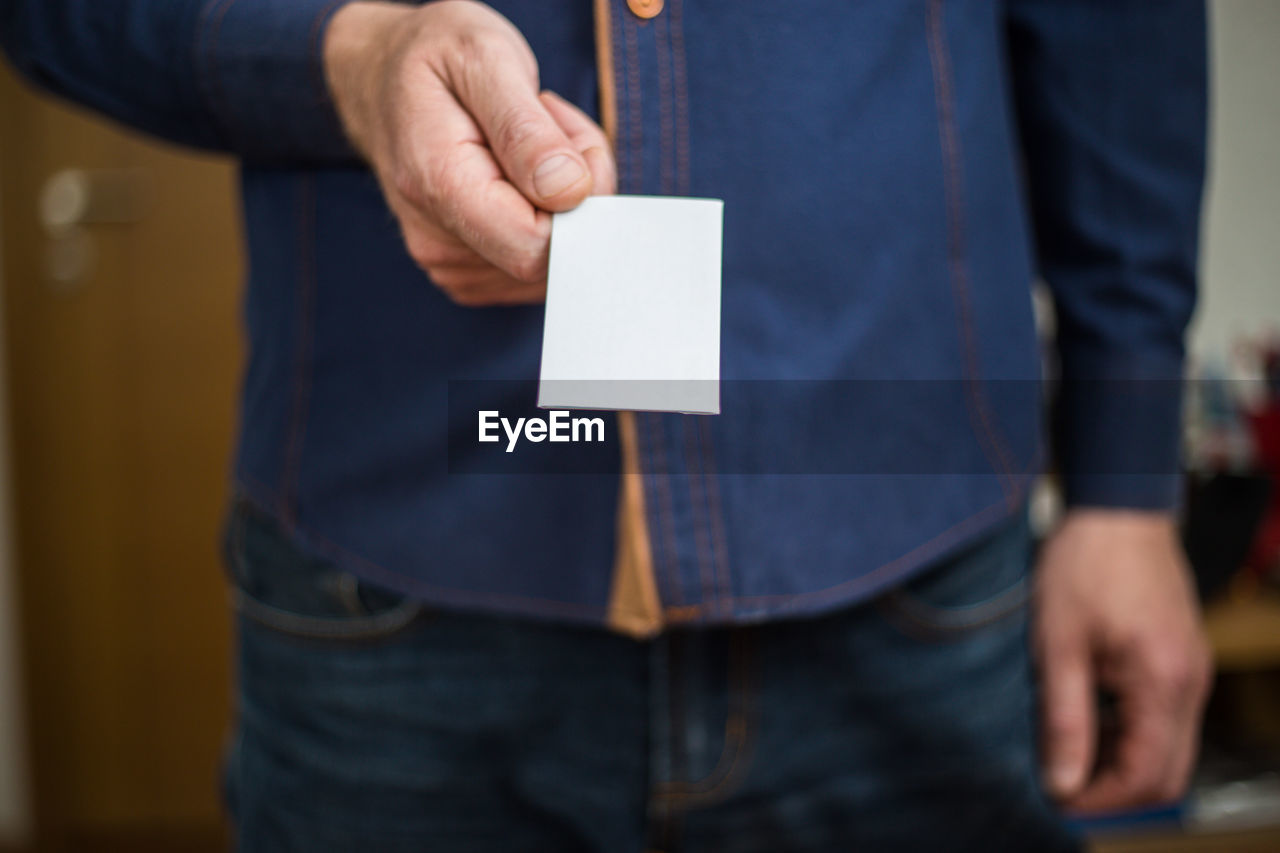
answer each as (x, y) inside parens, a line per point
(1111, 105)
(238, 76)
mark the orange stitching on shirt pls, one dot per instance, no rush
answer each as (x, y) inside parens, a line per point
(958, 530)
(666, 187)
(673, 614)
(985, 429)
(635, 169)
(327, 547)
(210, 28)
(665, 165)
(701, 532)
(604, 73)
(666, 508)
(942, 540)
(302, 353)
(635, 164)
(322, 86)
(683, 178)
(717, 513)
(683, 612)
(719, 556)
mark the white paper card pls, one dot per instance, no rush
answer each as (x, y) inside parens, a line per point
(633, 306)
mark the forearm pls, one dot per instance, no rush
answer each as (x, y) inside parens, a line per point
(242, 77)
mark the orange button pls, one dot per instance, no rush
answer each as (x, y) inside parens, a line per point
(645, 8)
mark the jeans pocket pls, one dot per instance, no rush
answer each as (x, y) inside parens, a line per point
(985, 585)
(277, 586)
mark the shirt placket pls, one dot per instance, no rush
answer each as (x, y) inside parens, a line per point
(645, 109)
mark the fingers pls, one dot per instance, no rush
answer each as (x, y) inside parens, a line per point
(448, 187)
(1161, 694)
(587, 137)
(490, 215)
(1068, 714)
(466, 276)
(481, 285)
(536, 155)
(443, 101)
(481, 158)
(1194, 697)
(1140, 769)
(459, 211)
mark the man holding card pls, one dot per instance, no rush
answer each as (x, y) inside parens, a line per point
(806, 623)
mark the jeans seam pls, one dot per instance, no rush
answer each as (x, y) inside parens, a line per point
(741, 733)
(936, 622)
(365, 625)
(384, 624)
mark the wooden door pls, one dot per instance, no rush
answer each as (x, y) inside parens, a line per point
(123, 355)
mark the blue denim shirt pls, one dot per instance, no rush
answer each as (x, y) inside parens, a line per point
(895, 175)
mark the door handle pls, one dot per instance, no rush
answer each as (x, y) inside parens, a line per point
(92, 196)
(72, 199)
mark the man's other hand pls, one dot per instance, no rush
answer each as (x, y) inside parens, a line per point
(1116, 613)
(443, 101)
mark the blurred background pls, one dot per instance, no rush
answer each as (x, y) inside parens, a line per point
(120, 356)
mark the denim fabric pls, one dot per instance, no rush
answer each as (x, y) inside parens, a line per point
(885, 166)
(370, 722)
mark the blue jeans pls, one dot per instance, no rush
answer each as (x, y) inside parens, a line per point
(370, 723)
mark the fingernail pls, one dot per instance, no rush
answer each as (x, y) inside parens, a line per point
(1061, 778)
(556, 174)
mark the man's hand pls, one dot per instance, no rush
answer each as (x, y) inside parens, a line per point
(1116, 612)
(443, 101)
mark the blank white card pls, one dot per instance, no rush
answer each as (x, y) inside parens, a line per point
(633, 306)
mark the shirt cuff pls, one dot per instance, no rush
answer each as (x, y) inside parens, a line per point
(1119, 442)
(259, 65)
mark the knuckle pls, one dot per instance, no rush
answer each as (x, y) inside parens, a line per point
(516, 128)
(1063, 726)
(468, 298)
(444, 185)
(1142, 786)
(418, 252)
(1174, 669)
(528, 269)
(425, 252)
(1065, 723)
(480, 46)
(410, 185)
(477, 46)
(453, 284)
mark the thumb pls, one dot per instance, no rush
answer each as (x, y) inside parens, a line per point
(587, 137)
(534, 152)
(1069, 734)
